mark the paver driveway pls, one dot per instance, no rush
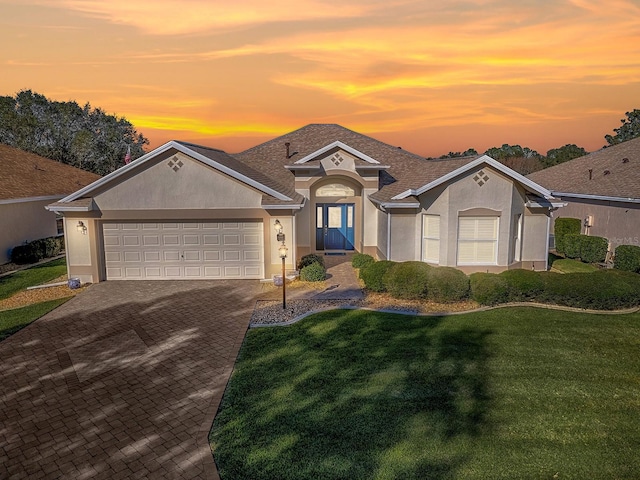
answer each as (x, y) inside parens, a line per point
(122, 381)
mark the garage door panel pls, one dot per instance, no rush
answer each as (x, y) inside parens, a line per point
(170, 240)
(152, 256)
(132, 257)
(192, 255)
(149, 240)
(191, 239)
(184, 250)
(171, 256)
(231, 239)
(133, 273)
(211, 239)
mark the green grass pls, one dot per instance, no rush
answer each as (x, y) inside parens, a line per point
(13, 320)
(502, 394)
(45, 272)
(566, 265)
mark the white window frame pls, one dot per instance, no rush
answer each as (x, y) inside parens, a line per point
(478, 241)
(430, 237)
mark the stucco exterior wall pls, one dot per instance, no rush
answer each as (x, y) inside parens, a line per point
(534, 246)
(24, 222)
(193, 185)
(383, 222)
(403, 245)
(618, 222)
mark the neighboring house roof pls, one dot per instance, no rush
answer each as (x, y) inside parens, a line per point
(25, 175)
(612, 173)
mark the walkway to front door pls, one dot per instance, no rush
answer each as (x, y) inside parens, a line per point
(335, 226)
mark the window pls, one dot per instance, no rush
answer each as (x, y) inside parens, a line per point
(477, 240)
(431, 238)
(335, 190)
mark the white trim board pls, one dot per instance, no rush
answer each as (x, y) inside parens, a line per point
(342, 146)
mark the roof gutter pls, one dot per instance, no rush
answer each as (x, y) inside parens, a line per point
(596, 197)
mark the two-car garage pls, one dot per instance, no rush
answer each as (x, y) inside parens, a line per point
(183, 250)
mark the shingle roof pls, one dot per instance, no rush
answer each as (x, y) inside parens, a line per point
(27, 175)
(245, 169)
(406, 170)
(611, 175)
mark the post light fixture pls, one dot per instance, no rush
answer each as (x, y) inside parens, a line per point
(282, 251)
(81, 227)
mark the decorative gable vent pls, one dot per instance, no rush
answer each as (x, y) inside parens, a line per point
(481, 178)
(175, 164)
(337, 159)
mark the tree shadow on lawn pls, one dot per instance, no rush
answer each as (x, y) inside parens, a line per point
(354, 394)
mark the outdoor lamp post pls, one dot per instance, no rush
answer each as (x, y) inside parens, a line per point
(282, 251)
(283, 254)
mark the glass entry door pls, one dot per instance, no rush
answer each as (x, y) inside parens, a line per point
(335, 226)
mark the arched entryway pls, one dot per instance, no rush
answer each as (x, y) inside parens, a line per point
(337, 207)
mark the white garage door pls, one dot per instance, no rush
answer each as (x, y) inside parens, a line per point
(145, 251)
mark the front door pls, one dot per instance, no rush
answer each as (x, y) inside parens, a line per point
(335, 226)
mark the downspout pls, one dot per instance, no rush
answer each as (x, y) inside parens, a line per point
(294, 249)
(388, 234)
(546, 258)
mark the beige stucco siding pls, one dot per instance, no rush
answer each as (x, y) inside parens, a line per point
(403, 245)
(193, 185)
(24, 222)
(618, 222)
(534, 247)
(383, 232)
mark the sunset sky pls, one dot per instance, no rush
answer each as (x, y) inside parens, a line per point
(431, 77)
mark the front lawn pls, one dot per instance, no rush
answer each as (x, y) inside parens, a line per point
(42, 273)
(508, 393)
(13, 320)
(567, 265)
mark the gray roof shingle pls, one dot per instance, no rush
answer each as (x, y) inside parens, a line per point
(603, 173)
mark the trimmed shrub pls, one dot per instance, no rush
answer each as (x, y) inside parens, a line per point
(565, 226)
(522, 285)
(585, 247)
(489, 288)
(447, 284)
(627, 258)
(373, 274)
(601, 290)
(593, 249)
(37, 250)
(310, 259)
(313, 273)
(361, 260)
(407, 280)
(572, 243)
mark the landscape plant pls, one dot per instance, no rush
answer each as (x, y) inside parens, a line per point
(373, 275)
(564, 226)
(489, 288)
(313, 273)
(522, 285)
(627, 258)
(309, 259)
(361, 260)
(407, 280)
(447, 285)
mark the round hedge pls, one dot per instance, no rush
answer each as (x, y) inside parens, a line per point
(310, 259)
(489, 288)
(407, 280)
(361, 260)
(447, 284)
(522, 284)
(373, 274)
(313, 273)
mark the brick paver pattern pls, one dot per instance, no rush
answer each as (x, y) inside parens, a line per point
(122, 381)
